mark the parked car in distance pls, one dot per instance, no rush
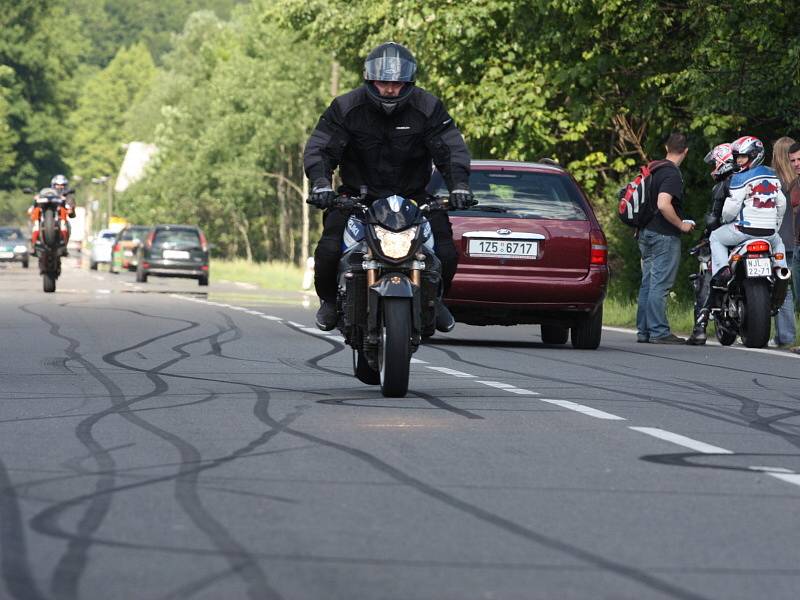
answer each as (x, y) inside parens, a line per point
(101, 248)
(174, 251)
(14, 246)
(532, 251)
(126, 248)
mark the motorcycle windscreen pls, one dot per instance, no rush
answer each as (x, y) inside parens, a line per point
(394, 213)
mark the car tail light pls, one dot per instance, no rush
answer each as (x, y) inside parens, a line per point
(145, 265)
(204, 268)
(599, 252)
(117, 247)
(758, 247)
(203, 243)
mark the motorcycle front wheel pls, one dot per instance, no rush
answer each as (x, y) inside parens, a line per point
(395, 354)
(756, 318)
(50, 229)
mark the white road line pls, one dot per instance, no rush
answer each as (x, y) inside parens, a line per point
(522, 392)
(338, 338)
(253, 312)
(452, 372)
(293, 324)
(247, 286)
(682, 440)
(271, 318)
(787, 477)
(496, 384)
(101, 291)
(586, 410)
(771, 469)
(313, 331)
(418, 361)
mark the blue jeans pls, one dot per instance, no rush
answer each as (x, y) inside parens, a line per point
(660, 258)
(785, 331)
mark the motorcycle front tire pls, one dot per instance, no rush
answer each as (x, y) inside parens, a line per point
(395, 357)
(756, 321)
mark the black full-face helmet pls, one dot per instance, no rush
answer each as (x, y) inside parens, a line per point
(390, 62)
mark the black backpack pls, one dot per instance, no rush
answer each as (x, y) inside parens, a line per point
(636, 203)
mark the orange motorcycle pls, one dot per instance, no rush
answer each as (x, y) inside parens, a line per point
(50, 234)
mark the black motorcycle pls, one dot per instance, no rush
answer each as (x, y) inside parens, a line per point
(753, 295)
(389, 282)
(50, 234)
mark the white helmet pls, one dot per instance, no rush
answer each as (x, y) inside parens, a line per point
(751, 147)
(722, 159)
(59, 180)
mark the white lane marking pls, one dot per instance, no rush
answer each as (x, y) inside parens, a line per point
(98, 277)
(338, 338)
(496, 384)
(523, 392)
(418, 361)
(507, 387)
(771, 469)
(293, 324)
(313, 331)
(452, 372)
(103, 291)
(253, 312)
(787, 477)
(586, 410)
(711, 342)
(247, 286)
(682, 440)
(271, 318)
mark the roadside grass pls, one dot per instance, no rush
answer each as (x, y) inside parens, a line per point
(622, 313)
(280, 276)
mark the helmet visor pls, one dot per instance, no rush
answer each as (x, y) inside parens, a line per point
(389, 68)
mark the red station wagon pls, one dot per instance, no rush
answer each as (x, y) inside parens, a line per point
(531, 251)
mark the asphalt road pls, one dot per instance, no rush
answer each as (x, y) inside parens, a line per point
(162, 441)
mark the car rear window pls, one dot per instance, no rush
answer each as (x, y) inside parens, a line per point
(133, 233)
(180, 239)
(109, 235)
(523, 194)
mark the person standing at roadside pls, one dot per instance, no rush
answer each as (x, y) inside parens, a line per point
(793, 197)
(660, 246)
(785, 330)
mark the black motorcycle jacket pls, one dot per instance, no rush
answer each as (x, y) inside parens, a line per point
(389, 154)
(719, 193)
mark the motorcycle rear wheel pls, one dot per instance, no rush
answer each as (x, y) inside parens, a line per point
(48, 282)
(756, 320)
(395, 355)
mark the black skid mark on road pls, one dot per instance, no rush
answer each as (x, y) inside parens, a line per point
(441, 404)
(502, 523)
(14, 562)
(749, 412)
(66, 577)
(686, 459)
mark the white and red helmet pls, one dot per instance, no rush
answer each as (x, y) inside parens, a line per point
(721, 156)
(752, 148)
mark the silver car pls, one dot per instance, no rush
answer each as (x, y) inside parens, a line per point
(102, 248)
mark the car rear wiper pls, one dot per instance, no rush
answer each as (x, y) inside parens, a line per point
(489, 208)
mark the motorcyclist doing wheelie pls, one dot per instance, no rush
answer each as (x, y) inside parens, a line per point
(754, 209)
(383, 136)
(723, 165)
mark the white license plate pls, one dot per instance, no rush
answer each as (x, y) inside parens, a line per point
(176, 254)
(504, 248)
(6, 255)
(759, 267)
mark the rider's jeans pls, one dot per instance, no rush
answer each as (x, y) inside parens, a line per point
(729, 236)
(660, 258)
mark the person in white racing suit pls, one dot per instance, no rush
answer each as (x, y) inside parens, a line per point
(754, 209)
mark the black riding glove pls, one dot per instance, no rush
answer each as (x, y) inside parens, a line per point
(462, 199)
(322, 197)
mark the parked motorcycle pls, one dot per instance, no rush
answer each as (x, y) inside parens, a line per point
(50, 234)
(754, 294)
(389, 282)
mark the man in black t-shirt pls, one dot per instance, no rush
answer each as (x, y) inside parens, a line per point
(660, 245)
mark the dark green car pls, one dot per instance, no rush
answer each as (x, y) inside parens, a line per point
(14, 246)
(174, 251)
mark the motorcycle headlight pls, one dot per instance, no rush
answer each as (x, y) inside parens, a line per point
(396, 244)
(20, 248)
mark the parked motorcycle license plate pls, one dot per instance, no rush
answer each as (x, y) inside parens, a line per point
(504, 248)
(6, 255)
(176, 254)
(759, 267)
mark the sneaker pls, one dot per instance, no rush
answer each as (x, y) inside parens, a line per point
(326, 315)
(444, 318)
(668, 339)
(640, 339)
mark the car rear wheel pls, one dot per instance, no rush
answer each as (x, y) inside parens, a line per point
(587, 332)
(93, 266)
(25, 264)
(554, 334)
(203, 280)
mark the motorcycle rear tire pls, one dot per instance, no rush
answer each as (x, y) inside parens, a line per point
(395, 357)
(49, 229)
(48, 282)
(756, 322)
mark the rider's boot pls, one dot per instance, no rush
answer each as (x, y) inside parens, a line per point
(444, 318)
(327, 316)
(719, 283)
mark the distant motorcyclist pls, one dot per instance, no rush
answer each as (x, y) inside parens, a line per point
(383, 136)
(754, 209)
(723, 166)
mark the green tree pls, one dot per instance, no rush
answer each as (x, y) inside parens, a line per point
(98, 123)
